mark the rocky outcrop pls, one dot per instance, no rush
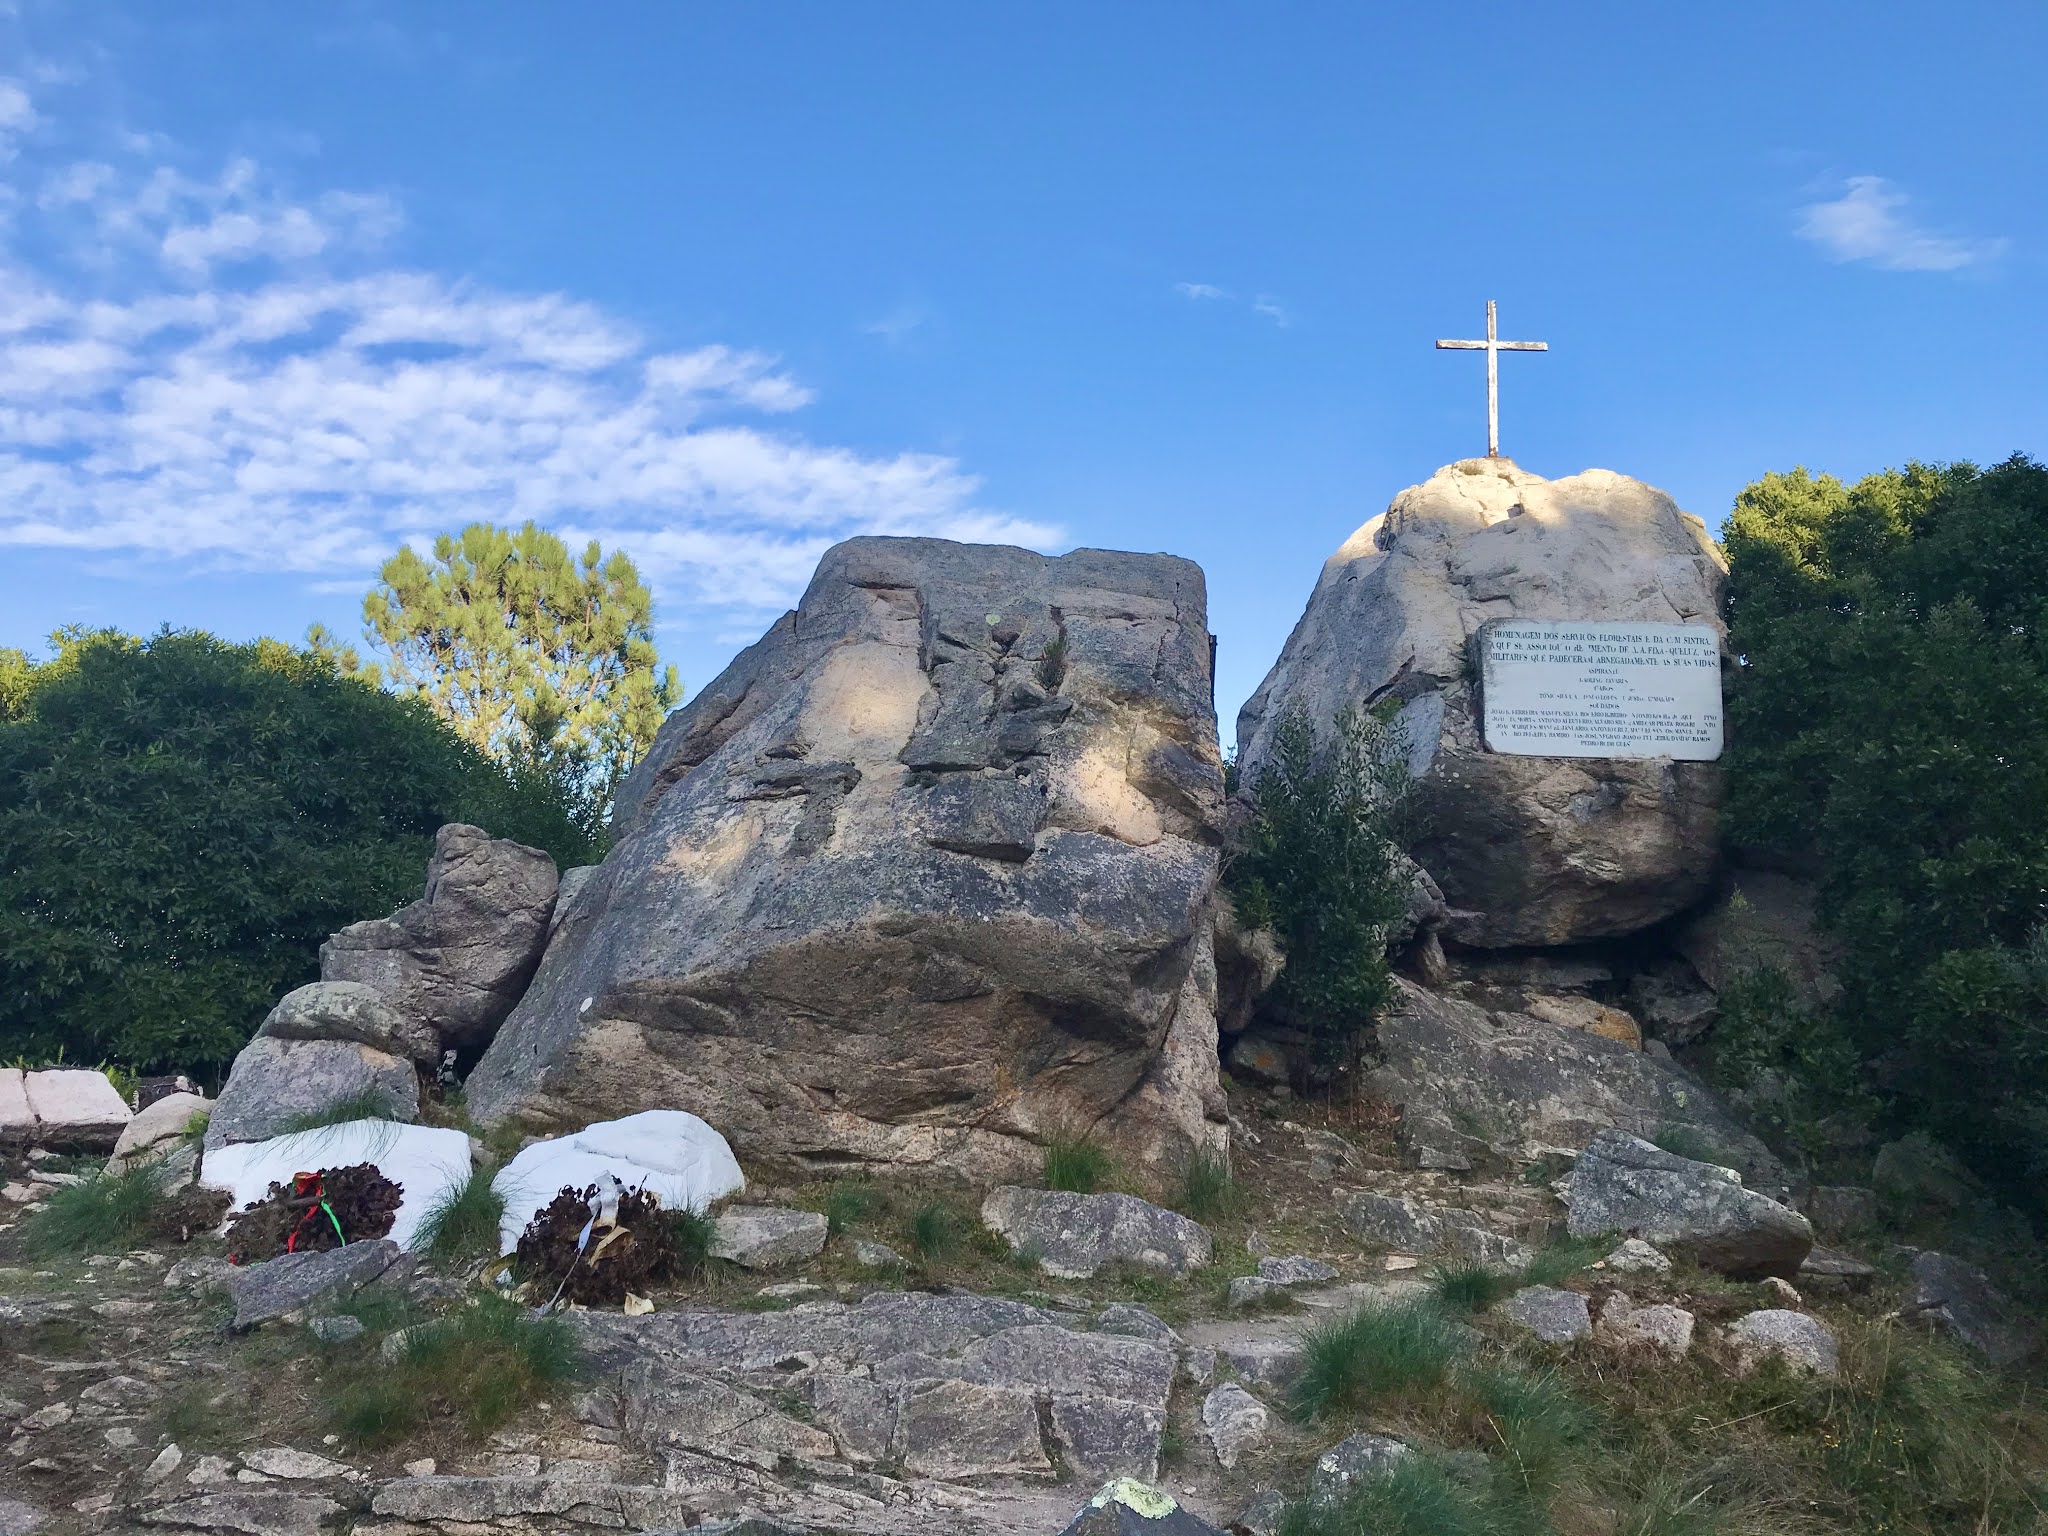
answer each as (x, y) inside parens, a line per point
(1527, 850)
(1473, 1085)
(1622, 1183)
(456, 960)
(924, 877)
(1958, 1299)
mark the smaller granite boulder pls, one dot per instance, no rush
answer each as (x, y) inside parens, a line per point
(457, 960)
(159, 1128)
(276, 1084)
(1296, 1270)
(1128, 1507)
(1664, 1329)
(1957, 1298)
(1622, 1183)
(1572, 1011)
(349, 1010)
(1394, 1221)
(284, 1288)
(1073, 1235)
(1801, 1341)
(1554, 1316)
(1636, 1257)
(1350, 1462)
(873, 1255)
(766, 1236)
(1234, 1421)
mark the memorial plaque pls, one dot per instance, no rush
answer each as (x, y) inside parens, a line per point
(1566, 689)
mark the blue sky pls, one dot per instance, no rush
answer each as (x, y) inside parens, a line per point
(282, 286)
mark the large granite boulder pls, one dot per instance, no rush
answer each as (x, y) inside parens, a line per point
(924, 877)
(456, 960)
(1473, 1085)
(1622, 1183)
(1528, 850)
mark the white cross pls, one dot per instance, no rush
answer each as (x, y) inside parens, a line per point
(1492, 347)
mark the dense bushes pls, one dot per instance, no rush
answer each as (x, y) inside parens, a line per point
(1320, 865)
(1890, 724)
(182, 821)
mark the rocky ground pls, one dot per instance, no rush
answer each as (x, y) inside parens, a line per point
(863, 1387)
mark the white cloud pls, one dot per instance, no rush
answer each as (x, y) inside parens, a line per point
(1265, 304)
(1868, 222)
(1200, 291)
(243, 383)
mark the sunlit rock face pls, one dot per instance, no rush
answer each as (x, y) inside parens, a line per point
(1527, 850)
(924, 877)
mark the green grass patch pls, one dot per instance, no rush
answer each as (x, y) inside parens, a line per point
(1375, 1356)
(475, 1369)
(1078, 1164)
(1208, 1190)
(1417, 1497)
(692, 1233)
(363, 1104)
(934, 1232)
(1566, 1257)
(1471, 1288)
(111, 1212)
(461, 1227)
(849, 1203)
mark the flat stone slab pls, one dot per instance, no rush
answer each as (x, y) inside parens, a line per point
(61, 1107)
(1073, 1236)
(1554, 1316)
(286, 1287)
(767, 1236)
(254, 1513)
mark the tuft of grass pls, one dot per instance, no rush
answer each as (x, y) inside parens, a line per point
(849, 1203)
(1533, 1424)
(1079, 1164)
(1208, 1189)
(1375, 1355)
(934, 1232)
(1667, 1507)
(1471, 1288)
(1564, 1258)
(363, 1104)
(111, 1212)
(1051, 669)
(461, 1227)
(692, 1232)
(476, 1368)
(1416, 1497)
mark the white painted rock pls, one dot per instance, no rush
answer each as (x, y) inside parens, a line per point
(157, 1129)
(425, 1161)
(62, 1106)
(671, 1153)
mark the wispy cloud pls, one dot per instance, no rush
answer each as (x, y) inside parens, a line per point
(218, 372)
(897, 326)
(1260, 304)
(1869, 222)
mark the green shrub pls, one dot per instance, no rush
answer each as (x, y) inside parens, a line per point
(1375, 1355)
(1320, 865)
(183, 821)
(693, 1233)
(1080, 1164)
(1208, 1189)
(461, 1227)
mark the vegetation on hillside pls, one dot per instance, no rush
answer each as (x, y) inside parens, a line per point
(1889, 726)
(182, 821)
(1320, 865)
